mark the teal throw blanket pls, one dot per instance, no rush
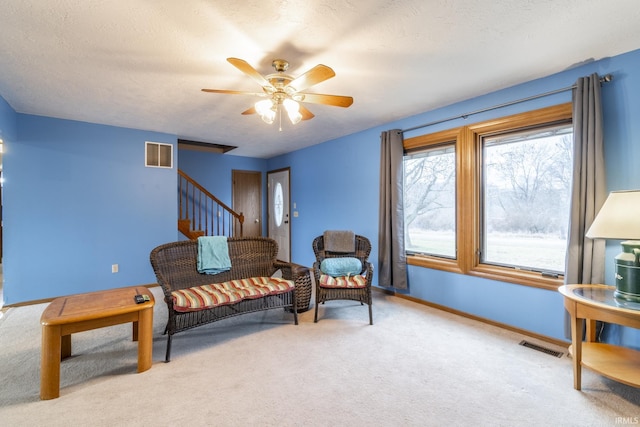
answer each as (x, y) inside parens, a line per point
(213, 254)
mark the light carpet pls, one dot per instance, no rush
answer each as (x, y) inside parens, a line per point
(416, 366)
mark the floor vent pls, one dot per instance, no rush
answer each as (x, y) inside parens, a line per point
(542, 349)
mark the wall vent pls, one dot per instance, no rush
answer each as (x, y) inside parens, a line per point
(158, 155)
(541, 348)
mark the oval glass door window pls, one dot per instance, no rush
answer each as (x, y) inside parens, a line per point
(277, 204)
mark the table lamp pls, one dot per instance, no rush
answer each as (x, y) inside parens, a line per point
(619, 218)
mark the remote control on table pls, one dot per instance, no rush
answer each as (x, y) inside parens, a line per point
(141, 298)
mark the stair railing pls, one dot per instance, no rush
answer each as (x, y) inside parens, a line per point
(204, 213)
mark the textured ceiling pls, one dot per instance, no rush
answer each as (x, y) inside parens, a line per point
(142, 63)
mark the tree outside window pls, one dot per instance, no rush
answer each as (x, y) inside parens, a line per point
(429, 203)
(526, 191)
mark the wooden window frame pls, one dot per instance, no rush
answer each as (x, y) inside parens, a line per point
(468, 148)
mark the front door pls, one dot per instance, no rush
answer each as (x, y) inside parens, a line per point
(247, 199)
(278, 202)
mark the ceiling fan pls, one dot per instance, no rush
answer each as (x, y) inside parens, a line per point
(283, 90)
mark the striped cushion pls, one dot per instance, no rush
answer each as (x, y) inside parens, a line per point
(355, 281)
(278, 285)
(231, 292)
(247, 288)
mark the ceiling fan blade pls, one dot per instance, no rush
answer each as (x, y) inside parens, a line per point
(244, 66)
(316, 75)
(233, 92)
(251, 110)
(318, 98)
(306, 114)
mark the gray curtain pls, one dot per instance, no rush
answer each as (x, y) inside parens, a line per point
(585, 257)
(391, 255)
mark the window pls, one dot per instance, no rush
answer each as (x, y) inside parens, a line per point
(526, 189)
(158, 155)
(430, 201)
(491, 199)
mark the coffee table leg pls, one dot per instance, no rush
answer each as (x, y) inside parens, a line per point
(65, 350)
(50, 362)
(145, 338)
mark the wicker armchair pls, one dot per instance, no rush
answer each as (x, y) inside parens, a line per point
(175, 267)
(362, 294)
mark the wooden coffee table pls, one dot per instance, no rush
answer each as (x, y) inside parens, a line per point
(83, 312)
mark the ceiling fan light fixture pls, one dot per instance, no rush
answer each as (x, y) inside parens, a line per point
(283, 91)
(293, 110)
(267, 110)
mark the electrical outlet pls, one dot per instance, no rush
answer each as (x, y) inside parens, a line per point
(114, 268)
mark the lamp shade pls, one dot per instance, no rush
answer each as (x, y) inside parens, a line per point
(619, 217)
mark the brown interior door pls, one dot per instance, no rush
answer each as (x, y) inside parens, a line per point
(247, 199)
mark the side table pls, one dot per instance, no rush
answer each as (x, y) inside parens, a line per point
(596, 302)
(83, 312)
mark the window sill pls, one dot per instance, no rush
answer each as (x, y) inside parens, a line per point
(518, 277)
(435, 263)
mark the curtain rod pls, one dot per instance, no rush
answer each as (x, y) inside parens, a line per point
(605, 79)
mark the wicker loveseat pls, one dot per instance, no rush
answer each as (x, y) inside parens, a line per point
(255, 282)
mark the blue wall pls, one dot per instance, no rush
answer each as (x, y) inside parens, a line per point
(77, 199)
(341, 192)
(333, 186)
